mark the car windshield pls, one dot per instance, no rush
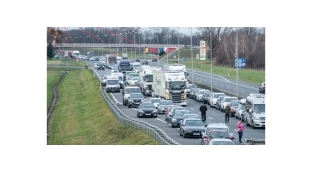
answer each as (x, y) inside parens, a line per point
(229, 99)
(136, 96)
(221, 129)
(132, 90)
(147, 105)
(155, 100)
(120, 78)
(235, 103)
(134, 75)
(167, 102)
(259, 108)
(192, 116)
(178, 115)
(114, 68)
(191, 86)
(112, 82)
(176, 85)
(135, 78)
(242, 107)
(136, 66)
(217, 95)
(194, 123)
(182, 112)
(223, 143)
(202, 92)
(217, 134)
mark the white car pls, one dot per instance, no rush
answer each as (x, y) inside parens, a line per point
(240, 111)
(226, 100)
(133, 81)
(155, 101)
(114, 70)
(221, 141)
(213, 98)
(95, 66)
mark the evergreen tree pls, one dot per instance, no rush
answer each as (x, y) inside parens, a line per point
(50, 52)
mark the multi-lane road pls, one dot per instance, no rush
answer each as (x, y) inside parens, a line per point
(213, 115)
(221, 83)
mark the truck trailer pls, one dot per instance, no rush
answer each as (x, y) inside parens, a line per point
(170, 85)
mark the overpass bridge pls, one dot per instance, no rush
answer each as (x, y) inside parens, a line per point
(107, 45)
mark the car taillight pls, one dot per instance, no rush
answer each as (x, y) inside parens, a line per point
(205, 136)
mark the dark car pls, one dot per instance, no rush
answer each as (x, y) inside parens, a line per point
(135, 99)
(145, 62)
(176, 116)
(137, 60)
(163, 106)
(262, 88)
(218, 103)
(206, 97)
(146, 109)
(234, 106)
(101, 66)
(215, 134)
(192, 127)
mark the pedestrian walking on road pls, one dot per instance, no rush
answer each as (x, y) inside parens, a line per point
(227, 111)
(240, 130)
(203, 109)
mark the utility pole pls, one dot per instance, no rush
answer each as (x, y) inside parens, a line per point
(192, 56)
(178, 46)
(210, 62)
(236, 49)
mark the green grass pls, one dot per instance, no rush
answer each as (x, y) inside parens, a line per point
(69, 62)
(53, 76)
(247, 75)
(82, 117)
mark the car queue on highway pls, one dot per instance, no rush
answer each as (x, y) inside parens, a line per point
(185, 123)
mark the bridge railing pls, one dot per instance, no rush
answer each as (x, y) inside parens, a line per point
(114, 45)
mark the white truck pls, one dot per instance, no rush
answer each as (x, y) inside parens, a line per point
(124, 56)
(76, 54)
(176, 67)
(170, 85)
(146, 79)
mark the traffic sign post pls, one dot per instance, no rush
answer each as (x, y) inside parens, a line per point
(185, 59)
(240, 63)
(174, 56)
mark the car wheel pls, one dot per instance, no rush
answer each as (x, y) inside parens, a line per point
(138, 116)
(129, 106)
(184, 135)
(180, 132)
(252, 125)
(247, 122)
(155, 116)
(172, 126)
(123, 102)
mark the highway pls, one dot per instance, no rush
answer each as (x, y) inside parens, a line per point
(213, 115)
(221, 83)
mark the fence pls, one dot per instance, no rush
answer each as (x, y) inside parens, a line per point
(127, 121)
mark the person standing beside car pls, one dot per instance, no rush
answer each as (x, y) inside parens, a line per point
(240, 130)
(227, 111)
(203, 109)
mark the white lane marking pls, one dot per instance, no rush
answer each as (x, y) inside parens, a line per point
(235, 130)
(161, 120)
(200, 80)
(133, 109)
(242, 91)
(228, 87)
(209, 117)
(178, 128)
(215, 83)
(224, 79)
(192, 108)
(115, 98)
(199, 138)
(221, 85)
(169, 124)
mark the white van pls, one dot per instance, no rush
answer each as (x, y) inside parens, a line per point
(255, 110)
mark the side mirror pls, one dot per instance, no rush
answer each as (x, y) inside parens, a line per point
(170, 115)
(232, 138)
(144, 97)
(250, 110)
(205, 125)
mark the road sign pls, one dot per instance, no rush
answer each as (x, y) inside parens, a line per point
(185, 59)
(240, 63)
(174, 55)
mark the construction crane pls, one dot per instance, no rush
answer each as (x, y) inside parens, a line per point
(117, 35)
(91, 34)
(69, 35)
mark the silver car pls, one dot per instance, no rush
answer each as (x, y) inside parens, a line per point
(199, 95)
(163, 106)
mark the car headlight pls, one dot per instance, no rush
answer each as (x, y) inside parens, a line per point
(188, 130)
(155, 111)
(173, 120)
(140, 111)
(256, 118)
(130, 100)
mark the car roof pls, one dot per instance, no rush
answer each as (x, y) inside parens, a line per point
(146, 103)
(217, 125)
(217, 131)
(197, 119)
(135, 93)
(182, 110)
(154, 98)
(221, 139)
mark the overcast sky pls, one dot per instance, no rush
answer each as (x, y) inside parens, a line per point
(182, 29)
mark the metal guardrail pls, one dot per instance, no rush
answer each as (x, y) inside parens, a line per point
(127, 121)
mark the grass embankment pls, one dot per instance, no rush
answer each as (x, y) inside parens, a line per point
(82, 117)
(53, 76)
(69, 62)
(247, 75)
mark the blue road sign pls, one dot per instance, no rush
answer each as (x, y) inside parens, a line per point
(185, 59)
(174, 55)
(240, 63)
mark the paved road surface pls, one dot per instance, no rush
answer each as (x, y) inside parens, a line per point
(218, 82)
(213, 115)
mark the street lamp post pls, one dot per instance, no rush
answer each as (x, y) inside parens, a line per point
(178, 46)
